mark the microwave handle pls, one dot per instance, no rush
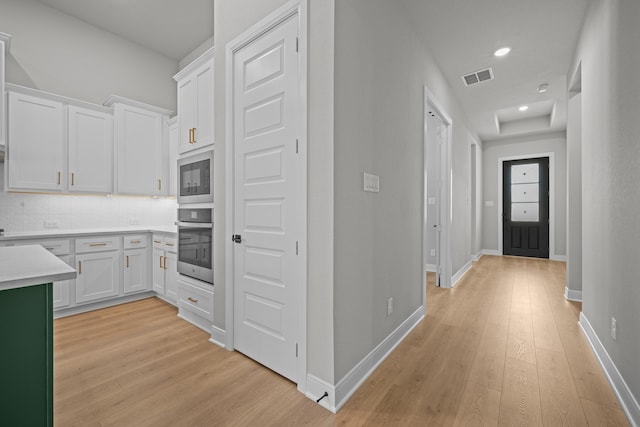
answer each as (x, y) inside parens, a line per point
(194, 224)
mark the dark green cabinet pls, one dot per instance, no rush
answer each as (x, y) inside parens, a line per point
(26, 356)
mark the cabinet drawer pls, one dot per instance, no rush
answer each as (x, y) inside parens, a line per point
(97, 244)
(157, 242)
(131, 242)
(170, 244)
(197, 300)
(56, 247)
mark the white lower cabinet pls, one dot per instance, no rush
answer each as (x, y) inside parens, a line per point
(165, 268)
(98, 266)
(135, 271)
(195, 303)
(62, 289)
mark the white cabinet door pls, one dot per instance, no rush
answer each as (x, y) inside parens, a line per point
(139, 147)
(187, 112)
(171, 276)
(90, 151)
(36, 144)
(3, 39)
(195, 108)
(135, 271)
(98, 276)
(61, 290)
(158, 271)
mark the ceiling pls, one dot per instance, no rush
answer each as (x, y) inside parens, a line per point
(462, 36)
(173, 28)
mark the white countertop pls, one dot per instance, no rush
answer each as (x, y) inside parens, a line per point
(22, 266)
(59, 233)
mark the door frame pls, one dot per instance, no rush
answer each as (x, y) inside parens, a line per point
(444, 250)
(293, 8)
(552, 198)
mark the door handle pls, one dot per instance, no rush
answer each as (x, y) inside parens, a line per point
(236, 238)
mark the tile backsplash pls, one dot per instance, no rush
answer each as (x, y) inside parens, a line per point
(20, 212)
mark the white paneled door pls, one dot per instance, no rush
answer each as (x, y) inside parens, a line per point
(266, 214)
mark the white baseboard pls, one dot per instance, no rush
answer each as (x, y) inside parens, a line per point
(316, 388)
(477, 256)
(458, 276)
(218, 337)
(431, 268)
(493, 252)
(558, 258)
(354, 379)
(622, 391)
(102, 304)
(571, 295)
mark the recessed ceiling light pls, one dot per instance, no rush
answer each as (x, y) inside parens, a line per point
(543, 88)
(523, 108)
(502, 51)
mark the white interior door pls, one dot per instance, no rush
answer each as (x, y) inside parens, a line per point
(266, 217)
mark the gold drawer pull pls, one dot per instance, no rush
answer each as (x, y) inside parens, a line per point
(157, 241)
(161, 262)
(169, 244)
(135, 241)
(193, 300)
(93, 245)
(165, 262)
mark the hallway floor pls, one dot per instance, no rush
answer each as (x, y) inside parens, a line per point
(502, 348)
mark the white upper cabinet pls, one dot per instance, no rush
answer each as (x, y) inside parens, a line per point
(195, 103)
(57, 143)
(5, 40)
(90, 151)
(141, 136)
(174, 138)
(36, 143)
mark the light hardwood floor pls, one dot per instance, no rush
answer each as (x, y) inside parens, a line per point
(503, 348)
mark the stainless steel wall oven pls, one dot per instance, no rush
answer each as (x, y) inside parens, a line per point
(195, 243)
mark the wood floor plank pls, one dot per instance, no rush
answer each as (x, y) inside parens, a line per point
(603, 415)
(480, 406)
(520, 398)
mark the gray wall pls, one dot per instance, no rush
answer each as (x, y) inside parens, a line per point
(610, 58)
(232, 17)
(574, 194)
(381, 66)
(493, 150)
(57, 53)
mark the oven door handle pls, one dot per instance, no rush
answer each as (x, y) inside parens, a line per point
(194, 224)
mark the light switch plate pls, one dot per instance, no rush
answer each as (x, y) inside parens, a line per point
(371, 183)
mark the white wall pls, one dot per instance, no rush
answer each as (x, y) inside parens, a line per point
(523, 146)
(574, 197)
(232, 17)
(381, 66)
(610, 59)
(57, 53)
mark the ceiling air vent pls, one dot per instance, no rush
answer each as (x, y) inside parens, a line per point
(477, 77)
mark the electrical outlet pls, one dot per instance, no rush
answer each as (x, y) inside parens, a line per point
(389, 306)
(433, 252)
(614, 328)
(49, 223)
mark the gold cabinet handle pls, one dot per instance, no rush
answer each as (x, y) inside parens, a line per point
(93, 245)
(169, 244)
(165, 263)
(79, 267)
(161, 261)
(133, 242)
(127, 261)
(59, 175)
(157, 241)
(193, 300)
(192, 136)
(73, 179)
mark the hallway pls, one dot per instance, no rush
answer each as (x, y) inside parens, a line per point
(502, 348)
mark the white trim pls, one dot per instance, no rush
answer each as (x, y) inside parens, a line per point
(571, 295)
(431, 268)
(558, 257)
(298, 9)
(6, 38)
(218, 337)
(491, 252)
(316, 388)
(460, 273)
(552, 198)
(10, 87)
(117, 99)
(208, 55)
(477, 256)
(622, 391)
(62, 312)
(356, 376)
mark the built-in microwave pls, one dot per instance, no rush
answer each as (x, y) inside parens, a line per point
(195, 178)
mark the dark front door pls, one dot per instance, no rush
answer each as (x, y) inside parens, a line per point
(526, 208)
